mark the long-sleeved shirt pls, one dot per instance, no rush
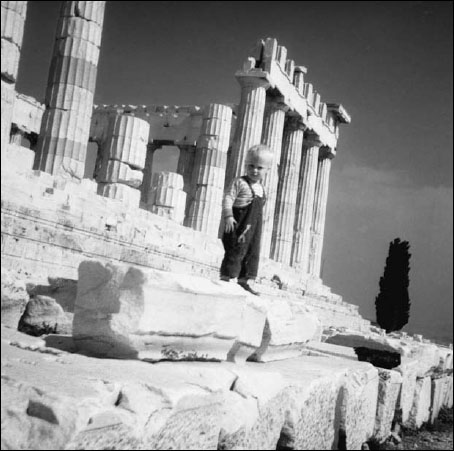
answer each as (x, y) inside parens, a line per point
(239, 194)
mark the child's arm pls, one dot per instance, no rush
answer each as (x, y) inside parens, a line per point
(230, 195)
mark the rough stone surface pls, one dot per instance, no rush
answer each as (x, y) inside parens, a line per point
(409, 373)
(441, 395)
(420, 410)
(43, 315)
(359, 404)
(71, 402)
(166, 196)
(288, 327)
(389, 386)
(126, 312)
(14, 297)
(323, 348)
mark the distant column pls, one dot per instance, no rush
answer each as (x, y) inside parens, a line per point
(319, 214)
(284, 216)
(305, 202)
(249, 123)
(273, 130)
(208, 176)
(13, 19)
(63, 139)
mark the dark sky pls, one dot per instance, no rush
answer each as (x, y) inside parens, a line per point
(389, 64)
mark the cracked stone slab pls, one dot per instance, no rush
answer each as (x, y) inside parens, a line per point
(125, 312)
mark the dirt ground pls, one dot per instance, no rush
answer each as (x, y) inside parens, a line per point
(430, 437)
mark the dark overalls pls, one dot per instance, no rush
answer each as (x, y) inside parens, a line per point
(241, 258)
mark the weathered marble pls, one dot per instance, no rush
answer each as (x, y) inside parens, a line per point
(409, 373)
(388, 391)
(273, 130)
(304, 203)
(13, 15)
(284, 218)
(65, 128)
(14, 297)
(207, 183)
(288, 327)
(249, 123)
(126, 312)
(319, 213)
(43, 315)
(420, 410)
(166, 196)
(441, 394)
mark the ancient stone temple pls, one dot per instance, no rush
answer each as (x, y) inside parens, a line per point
(115, 265)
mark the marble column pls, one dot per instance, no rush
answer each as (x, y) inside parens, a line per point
(273, 130)
(305, 202)
(123, 154)
(208, 176)
(284, 216)
(65, 128)
(249, 123)
(319, 213)
(12, 28)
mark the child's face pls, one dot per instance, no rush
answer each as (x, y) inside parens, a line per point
(256, 169)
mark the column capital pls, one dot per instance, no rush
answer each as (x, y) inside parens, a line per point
(327, 152)
(251, 81)
(311, 139)
(295, 123)
(277, 104)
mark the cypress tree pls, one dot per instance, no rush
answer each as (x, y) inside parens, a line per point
(392, 305)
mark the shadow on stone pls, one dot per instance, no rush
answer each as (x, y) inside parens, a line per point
(61, 342)
(382, 359)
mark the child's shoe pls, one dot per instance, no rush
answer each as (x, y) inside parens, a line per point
(247, 287)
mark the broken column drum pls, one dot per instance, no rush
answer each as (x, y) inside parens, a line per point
(208, 175)
(122, 157)
(13, 19)
(63, 139)
(166, 196)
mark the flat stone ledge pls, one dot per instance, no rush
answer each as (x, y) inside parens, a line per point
(125, 312)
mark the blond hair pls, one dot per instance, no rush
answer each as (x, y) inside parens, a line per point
(260, 152)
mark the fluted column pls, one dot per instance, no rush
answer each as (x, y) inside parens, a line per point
(249, 123)
(305, 202)
(62, 144)
(122, 161)
(208, 176)
(319, 214)
(12, 28)
(284, 215)
(273, 130)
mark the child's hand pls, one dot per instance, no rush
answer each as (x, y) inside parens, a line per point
(230, 224)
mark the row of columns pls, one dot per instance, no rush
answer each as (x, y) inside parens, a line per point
(297, 183)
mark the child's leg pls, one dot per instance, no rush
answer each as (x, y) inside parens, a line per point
(250, 264)
(233, 257)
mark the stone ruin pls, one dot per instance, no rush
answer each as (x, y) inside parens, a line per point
(115, 265)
